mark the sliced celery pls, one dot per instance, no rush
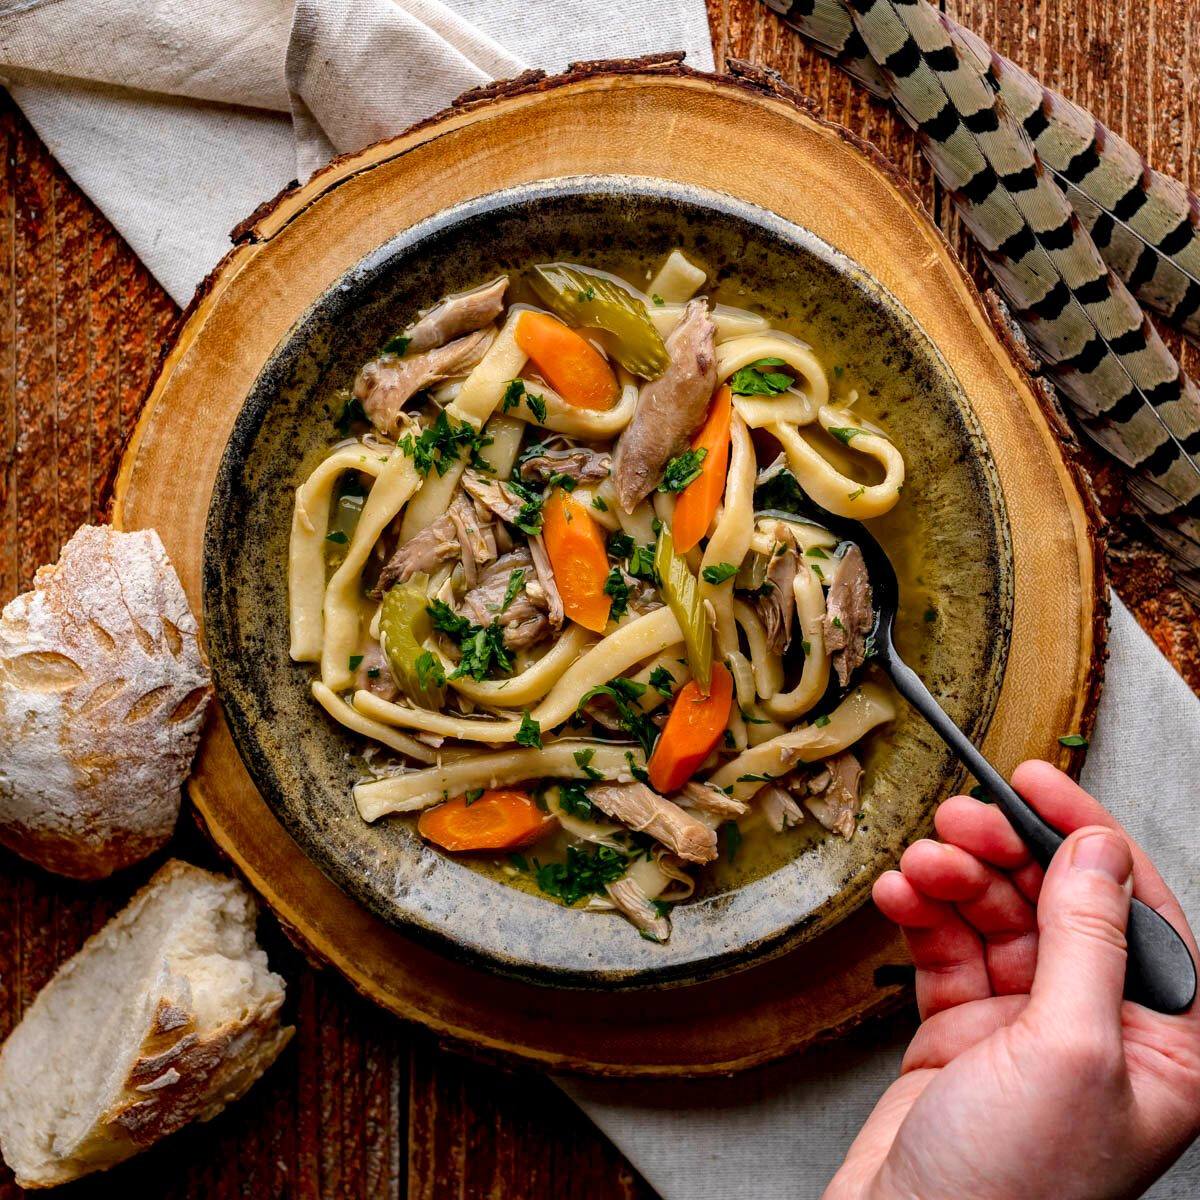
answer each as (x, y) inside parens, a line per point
(682, 594)
(589, 300)
(404, 625)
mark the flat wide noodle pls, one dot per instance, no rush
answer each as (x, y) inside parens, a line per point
(583, 424)
(396, 482)
(483, 389)
(731, 538)
(814, 675)
(867, 706)
(533, 683)
(352, 719)
(306, 550)
(821, 480)
(627, 644)
(797, 406)
(420, 789)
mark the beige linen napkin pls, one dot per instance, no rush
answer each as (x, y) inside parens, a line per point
(178, 117)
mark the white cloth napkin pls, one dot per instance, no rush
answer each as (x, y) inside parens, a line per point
(178, 117)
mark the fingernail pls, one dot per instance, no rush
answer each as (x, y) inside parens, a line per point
(1103, 852)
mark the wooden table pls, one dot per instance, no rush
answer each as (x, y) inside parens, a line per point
(361, 1106)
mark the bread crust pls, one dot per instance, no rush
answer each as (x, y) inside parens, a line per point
(179, 1073)
(103, 691)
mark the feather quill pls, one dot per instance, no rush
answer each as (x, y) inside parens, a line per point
(1127, 390)
(1145, 224)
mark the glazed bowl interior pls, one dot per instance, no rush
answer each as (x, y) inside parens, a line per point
(948, 537)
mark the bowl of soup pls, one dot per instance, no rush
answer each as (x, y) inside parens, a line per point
(520, 602)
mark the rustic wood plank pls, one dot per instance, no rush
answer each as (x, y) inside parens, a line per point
(361, 1106)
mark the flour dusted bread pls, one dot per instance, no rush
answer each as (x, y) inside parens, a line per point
(103, 688)
(165, 1016)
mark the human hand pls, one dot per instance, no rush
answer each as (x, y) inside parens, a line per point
(1029, 1077)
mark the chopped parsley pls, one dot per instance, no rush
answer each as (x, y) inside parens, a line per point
(516, 582)
(352, 412)
(732, 836)
(516, 391)
(429, 670)
(397, 345)
(481, 648)
(529, 518)
(583, 760)
(822, 721)
(623, 693)
(472, 794)
(1074, 741)
(355, 661)
(519, 861)
(641, 564)
(662, 681)
(682, 470)
(854, 495)
(537, 406)
(756, 779)
(620, 544)
(440, 445)
(530, 733)
(846, 433)
(337, 536)
(558, 479)
(616, 587)
(639, 773)
(582, 874)
(719, 573)
(816, 552)
(751, 719)
(573, 800)
(587, 294)
(754, 380)
(599, 504)
(657, 300)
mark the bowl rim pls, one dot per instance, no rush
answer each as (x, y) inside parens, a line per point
(483, 950)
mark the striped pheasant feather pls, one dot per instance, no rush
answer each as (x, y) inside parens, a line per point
(1102, 352)
(1145, 225)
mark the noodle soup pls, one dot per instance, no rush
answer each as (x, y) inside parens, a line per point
(566, 575)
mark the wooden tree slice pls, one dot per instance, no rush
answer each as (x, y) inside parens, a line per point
(652, 118)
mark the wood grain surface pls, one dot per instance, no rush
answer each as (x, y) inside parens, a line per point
(361, 1106)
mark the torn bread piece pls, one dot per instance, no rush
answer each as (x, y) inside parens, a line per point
(165, 1016)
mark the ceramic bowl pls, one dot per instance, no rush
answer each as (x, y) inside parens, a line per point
(952, 533)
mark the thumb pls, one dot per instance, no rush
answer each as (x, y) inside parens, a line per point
(1082, 913)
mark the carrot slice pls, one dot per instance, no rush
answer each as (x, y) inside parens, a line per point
(500, 819)
(692, 730)
(697, 503)
(572, 366)
(580, 561)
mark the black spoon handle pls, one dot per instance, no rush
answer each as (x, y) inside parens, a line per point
(1161, 974)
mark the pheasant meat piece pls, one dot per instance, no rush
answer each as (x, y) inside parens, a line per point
(473, 528)
(629, 898)
(833, 793)
(435, 544)
(457, 315)
(669, 409)
(386, 384)
(849, 616)
(711, 801)
(375, 675)
(524, 619)
(776, 604)
(779, 807)
(643, 810)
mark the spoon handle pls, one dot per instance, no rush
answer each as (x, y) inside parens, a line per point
(1160, 974)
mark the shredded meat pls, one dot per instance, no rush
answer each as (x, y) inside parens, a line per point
(386, 384)
(506, 504)
(849, 616)
(779, 808)
(704, 798)
(670, 408)
(457, 315)
(436, 543)
(473, 527)
(628, 896)
(776, 603)
(833, 793)
(524, 620)
(579, 463)
(635, 805)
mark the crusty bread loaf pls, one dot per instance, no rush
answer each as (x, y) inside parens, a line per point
(166, 1015)
(103, 688)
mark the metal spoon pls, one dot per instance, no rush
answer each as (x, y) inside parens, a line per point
(1160, 974)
